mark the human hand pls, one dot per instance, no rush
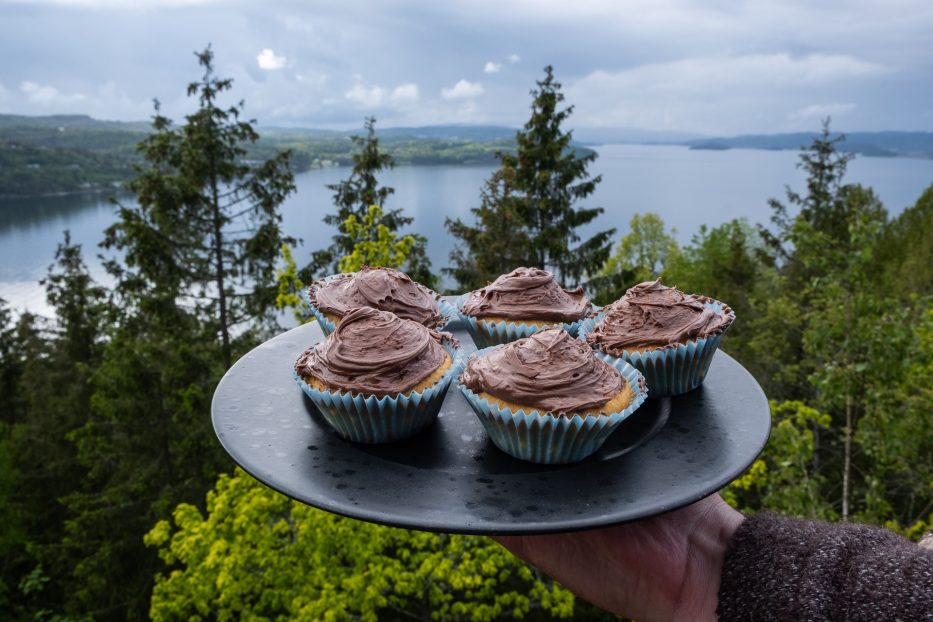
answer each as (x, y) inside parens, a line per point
(661, 568)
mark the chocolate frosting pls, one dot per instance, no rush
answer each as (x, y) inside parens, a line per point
(653, 315)
(375, 352)
(527, 293)
(381, 288)
(550, 371)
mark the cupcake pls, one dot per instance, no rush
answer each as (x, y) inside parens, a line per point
(666, 334)
(520, 303)
(378, 377)
(387, 289)
(548, 398)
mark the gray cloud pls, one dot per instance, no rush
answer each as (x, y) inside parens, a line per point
(716, 67)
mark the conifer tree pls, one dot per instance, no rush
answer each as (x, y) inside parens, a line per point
(497, 243)
(540, 184)
(56, 359)
(206, 231)
(194, 286)
(353, 197)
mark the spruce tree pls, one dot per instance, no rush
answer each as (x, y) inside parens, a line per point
(822, 210)
(353, 197)
(56, 360)
(540, 185)
(498, 242)
(206, 231)
(194, 287)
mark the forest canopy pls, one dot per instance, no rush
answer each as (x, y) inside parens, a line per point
(118, 503)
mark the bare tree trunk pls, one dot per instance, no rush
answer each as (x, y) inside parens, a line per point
(847, 459)
(816, 447)
(219, 276)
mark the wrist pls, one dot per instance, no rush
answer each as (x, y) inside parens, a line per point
(714, 523)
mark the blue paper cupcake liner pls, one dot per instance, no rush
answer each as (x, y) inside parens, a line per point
(486, 333)
(551, 439)
(372, 419)
(327, 326)
(671, 370)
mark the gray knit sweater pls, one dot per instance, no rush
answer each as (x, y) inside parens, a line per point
(787, 569)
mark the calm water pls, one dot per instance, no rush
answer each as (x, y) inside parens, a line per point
(687, 188)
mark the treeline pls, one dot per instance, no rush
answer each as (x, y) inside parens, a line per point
(833, 300)
(28, 170)
(38, 157)
(118, 503)
(877, 144)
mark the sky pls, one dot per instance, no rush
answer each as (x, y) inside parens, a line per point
(712, 67)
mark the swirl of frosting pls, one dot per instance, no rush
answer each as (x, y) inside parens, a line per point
(527, 293)
(653, 315)
(374, 352)
(381, 288)
(550, 371)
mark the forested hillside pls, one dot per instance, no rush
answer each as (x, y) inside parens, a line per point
(67, 154)
(118, 503)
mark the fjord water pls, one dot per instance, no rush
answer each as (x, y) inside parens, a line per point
(687, 188)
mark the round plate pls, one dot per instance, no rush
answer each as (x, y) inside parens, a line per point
(451, 478)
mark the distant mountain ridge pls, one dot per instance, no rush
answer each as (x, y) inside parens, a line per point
(881, 144)
(884, 143)
(77, 153)
(71, 121)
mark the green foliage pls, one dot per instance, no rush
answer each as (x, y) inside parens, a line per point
(198, 258)
(105, 432)
(894, 431)
(822, 208)
(53, 362)
(834, 328)
(645, 250)
(206, 226)
(641, 255)
(907, 250)
(148, 445)
(289, 285)
(536, 188)
(374, 244)
(354, 197)
(783, 478)
(497, 243)
(29, 170)
(74, 153)
(255, 555)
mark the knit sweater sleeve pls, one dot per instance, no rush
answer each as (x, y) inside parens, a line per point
(780, 568)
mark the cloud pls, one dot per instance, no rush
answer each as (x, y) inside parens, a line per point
(463, 89)
(514, 58)
(405, 93)
(739, 92)
(121, 4)
(376, 96)
(819, 111)
(706, 74)
(312, 79)
(268, 60)
(492, 67)
(47, 95)
(368, 97)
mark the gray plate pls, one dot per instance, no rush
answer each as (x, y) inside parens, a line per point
(451, 478)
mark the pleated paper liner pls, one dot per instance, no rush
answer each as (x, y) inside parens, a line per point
(486, 333)
(371, 419)
(545, 438)
(671, 370)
